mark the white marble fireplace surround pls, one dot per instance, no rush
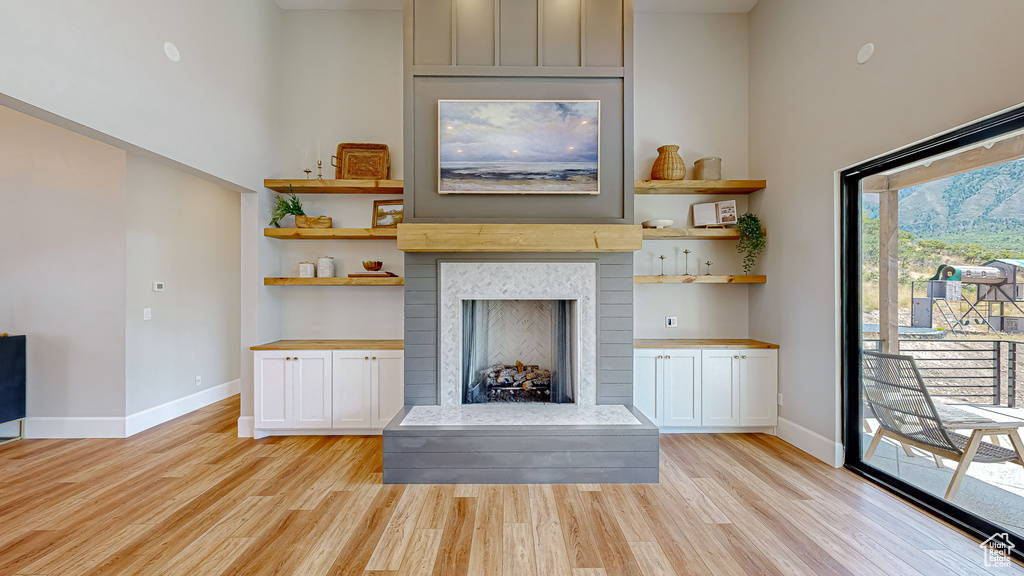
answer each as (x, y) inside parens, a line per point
(533, 281)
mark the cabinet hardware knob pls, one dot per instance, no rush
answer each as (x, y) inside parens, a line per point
(376, 357)
(366, 357)
(744, 357)
(658, 357)
(668, 357)
(737, 357)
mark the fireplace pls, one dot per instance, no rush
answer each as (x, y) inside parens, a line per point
(519, 351)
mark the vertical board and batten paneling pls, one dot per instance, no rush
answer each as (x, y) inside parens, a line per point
(614, 322)
(517, 29)
(523, 50)
(560, 32)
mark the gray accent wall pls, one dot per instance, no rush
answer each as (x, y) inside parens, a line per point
(519, 50)
(614, 321)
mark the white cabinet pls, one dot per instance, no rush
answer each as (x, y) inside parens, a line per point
(712, 388)
(721, 400)
(369, 387)
(666, 386)
(293, 389)
(759, 387)
(324, 389)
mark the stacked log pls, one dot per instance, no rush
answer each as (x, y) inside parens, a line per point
(519, 375)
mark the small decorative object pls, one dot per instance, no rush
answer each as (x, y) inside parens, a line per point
(325, 267)
(306, 169)
(709, 168)
(285, 205)
(662, 258)
(387, 213)
(319, 163)
(686, 261)
(303, 221)
(518, 146)
(714, 213)
(669, 165)
(373, 270)
(657, 223)
(372, 265)
(752, 239)
(307, 270)
(362, 162)
(709, 263)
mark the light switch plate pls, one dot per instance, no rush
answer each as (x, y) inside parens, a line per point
(147, 313)
(671, 322)
(158, 286)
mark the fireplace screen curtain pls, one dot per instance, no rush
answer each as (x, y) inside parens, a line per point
(476, 355)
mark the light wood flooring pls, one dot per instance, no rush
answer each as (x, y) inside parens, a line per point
(190, 498)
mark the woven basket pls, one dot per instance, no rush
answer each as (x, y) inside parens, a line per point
(669, 165)
(303, 221)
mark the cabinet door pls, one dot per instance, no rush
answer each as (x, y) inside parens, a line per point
(351, 389)
(720, 404)
(272, 391)
(311, 384)
(646, 381)
(388, 385)
(682, 387)
(759, 386)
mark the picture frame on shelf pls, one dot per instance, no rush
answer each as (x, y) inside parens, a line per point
(714, 213)
(518, 146)
(388, 213)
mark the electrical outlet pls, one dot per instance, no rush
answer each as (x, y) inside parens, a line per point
(199, 380)
(671, 322)
(780, 398)
(158, 286)
(147, 313)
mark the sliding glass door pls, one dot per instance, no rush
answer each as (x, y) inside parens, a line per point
(933, 326)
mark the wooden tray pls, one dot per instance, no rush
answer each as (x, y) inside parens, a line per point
(362, 162)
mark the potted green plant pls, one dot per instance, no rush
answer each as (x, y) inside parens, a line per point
(752, 240)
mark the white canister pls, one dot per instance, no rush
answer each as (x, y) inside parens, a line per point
(325, 267)
(708, 169)
(307, 270)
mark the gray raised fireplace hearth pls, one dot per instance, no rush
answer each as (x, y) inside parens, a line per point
(598, 438)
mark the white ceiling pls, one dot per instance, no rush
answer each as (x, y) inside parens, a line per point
(735, 6)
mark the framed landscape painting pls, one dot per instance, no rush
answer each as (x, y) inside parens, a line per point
(518, 146)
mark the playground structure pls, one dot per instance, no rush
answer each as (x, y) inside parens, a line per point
(998, 284)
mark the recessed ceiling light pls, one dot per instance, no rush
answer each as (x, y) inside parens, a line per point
(172, 52)
(865, 53)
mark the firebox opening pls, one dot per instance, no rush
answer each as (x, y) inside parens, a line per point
(519, 351)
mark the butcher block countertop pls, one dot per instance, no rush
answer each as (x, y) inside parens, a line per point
(703, 343)
(332, 345)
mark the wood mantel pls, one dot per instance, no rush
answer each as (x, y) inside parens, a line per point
(519, 237)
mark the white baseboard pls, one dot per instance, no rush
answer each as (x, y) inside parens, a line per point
(115, 427)
(246, 426)
(9, 430)
(168, 411)
(74, 427)
(319, 432)
(717, 430)
(815, 444)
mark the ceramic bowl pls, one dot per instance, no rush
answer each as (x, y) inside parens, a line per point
(373, 265)
(657, 223)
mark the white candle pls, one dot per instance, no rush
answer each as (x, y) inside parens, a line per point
(307, 158)
(318, 150)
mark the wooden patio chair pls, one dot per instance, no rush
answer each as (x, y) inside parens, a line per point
(905, 412)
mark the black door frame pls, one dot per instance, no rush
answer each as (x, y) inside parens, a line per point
(850, 285)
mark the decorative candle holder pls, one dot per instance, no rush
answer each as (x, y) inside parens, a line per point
(319, 170)
(709, 263)
(686, 262)
(662, 258)
(308, 172)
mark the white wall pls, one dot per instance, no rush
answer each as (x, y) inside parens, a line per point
(102, 64)
(62, 266)
(813, 111)
(186, 233)
(690, 89)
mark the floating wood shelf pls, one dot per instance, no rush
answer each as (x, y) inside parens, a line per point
(697, 186)
(331, 233)
(691, 234)
(332, 345)
(519, 237)
(704, 343)
(691, 279)
(382, 281)
(336, 186)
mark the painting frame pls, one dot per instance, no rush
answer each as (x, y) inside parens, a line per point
(379, 215)
(543, 171)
